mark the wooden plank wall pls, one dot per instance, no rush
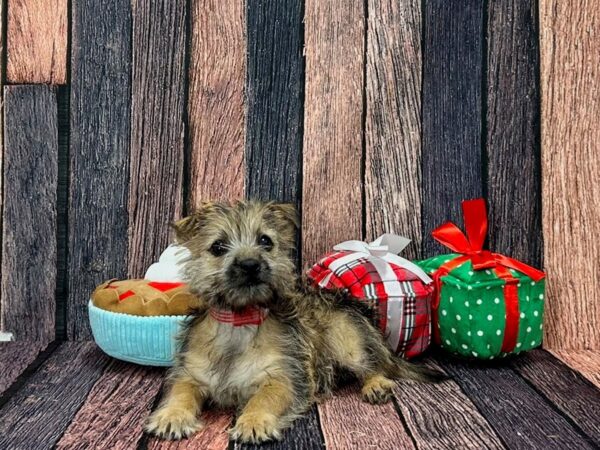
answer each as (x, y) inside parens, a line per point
(371, 117)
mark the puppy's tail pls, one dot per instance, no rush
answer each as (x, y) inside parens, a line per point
(399, 368)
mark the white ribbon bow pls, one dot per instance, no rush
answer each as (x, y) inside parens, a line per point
(380, 253)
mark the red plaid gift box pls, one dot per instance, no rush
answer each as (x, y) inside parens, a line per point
(399, 291)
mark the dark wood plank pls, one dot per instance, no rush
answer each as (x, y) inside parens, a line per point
(393, 121)
(36, 41)
(216, 100)
(513, 120)
(157, 128)
(100, 132)
(441, 416)
(452, 106)
(15, 357)
(213, 436)
(305, 435)
(517, 412)
(29, 213)
(569, 391)
(570, 72)
(274, 88)
(348, 422)
(586, 362)
(333, 128)
(38, 414)
(115, 409)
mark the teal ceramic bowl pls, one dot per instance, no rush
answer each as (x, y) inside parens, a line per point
(149, 341)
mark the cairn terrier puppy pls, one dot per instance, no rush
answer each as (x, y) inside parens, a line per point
(268, 344)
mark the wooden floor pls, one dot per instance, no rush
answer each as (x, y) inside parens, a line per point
(71, 396)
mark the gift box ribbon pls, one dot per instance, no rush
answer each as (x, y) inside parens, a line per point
(470, 246)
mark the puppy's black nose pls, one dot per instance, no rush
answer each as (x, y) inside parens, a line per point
(251, 266)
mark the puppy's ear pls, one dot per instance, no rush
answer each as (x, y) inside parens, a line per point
(286, 215)
(186, 228)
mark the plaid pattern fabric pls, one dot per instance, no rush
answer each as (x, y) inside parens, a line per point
(405, 319)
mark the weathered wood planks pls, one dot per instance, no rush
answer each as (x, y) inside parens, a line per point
(348, 422)
(36, 41)
(115, 409)
(100, 133)
(393, 121)
(212, 437)
(512, 123)
(36, 416)
(157, 128)
(575, 396)
(521, 417)
(304, 435)
(452, 109)
(333, 126)
(29, 212)
(586, 362)
(217, 73)
(15, 357)
(274, 96)
(570, 69)
(440, 416)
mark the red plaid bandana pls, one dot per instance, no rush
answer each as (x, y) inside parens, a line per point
(250, 315)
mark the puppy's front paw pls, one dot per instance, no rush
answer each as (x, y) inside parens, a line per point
(378, 390)
(172, 423)
(256, 427)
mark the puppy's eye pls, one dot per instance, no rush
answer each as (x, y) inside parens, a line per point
(218, 248)
(266, 242)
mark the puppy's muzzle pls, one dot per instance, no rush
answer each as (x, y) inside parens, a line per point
(250, 271)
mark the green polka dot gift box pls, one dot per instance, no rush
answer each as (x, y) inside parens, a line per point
(486, 305)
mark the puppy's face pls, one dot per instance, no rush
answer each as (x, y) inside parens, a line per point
(241, 253)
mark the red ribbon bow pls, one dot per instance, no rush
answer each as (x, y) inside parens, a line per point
(471, 247)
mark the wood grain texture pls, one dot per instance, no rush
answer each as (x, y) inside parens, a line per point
(274, 93)
(441, 416)
(212, 437)
(393, 121)
(521, 417)
(513, 118)
(452, 106)
(575, 396)
(115, 409)
(217, 74)
(38, 414)
(29, 212)
(15, 357)
(157, 128)
(348, 422)
(304, 435)
(333, 128)
(100, 133)
(570, 74)
(586, 362)
(36, 41)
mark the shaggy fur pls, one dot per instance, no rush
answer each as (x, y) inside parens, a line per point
(273, 372)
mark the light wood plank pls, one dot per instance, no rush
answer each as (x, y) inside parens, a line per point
(570, 79)
(348, 422)
(36, 41)
(115, 409)
(333, 129)
(393, 121)
(157, 128)
(586, 362)
(452, 109)
(36, 416)
(217, 74)
(100, 133)
(441, 416)
(513, 117)
(29, 213)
